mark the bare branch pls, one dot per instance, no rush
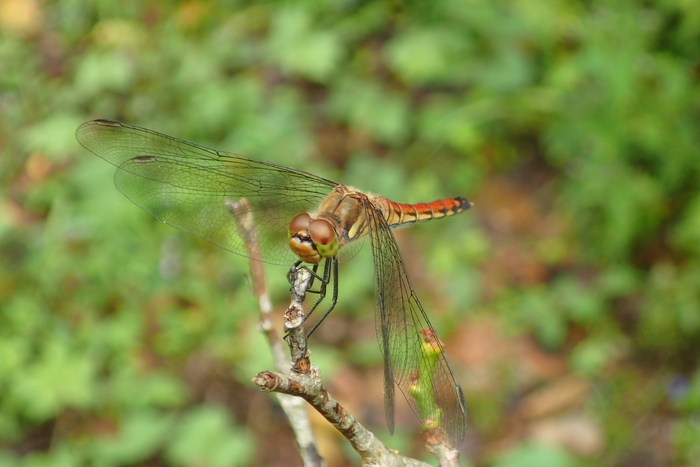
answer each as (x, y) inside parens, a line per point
(293, 407)
(305, 382)
(446, 457)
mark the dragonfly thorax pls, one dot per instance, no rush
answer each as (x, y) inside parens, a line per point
(312, 239)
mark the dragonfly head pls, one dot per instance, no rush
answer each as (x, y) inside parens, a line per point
(312, 239)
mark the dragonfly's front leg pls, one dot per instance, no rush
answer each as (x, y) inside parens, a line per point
(329, 267)
(331, 263)
(324, 280)
(313, 271)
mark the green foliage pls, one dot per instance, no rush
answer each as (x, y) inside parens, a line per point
(686, 436)
(368, 107)
(206, 437)
(670, 318)
(299, 49)
(140, 436)
(573, 126)
(538, 456)
(430, 55)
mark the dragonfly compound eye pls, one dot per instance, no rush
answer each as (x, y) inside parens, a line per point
(324, 237)
(299, 223)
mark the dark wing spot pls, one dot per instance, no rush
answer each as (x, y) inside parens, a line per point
(143, 159)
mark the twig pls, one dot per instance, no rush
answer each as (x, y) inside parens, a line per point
(293, 407)
(446, 457)
(305, 382)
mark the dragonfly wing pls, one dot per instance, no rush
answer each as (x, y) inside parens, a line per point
(414, 358)
(190, 186)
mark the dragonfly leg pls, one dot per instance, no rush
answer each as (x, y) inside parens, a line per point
(325, 280)
(314, 275)
(334, 299)
(331, 263)
(292, 271)
(313, 271)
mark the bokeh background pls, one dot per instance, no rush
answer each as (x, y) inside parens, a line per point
(568, 297)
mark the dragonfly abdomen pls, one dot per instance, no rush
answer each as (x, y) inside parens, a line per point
(400, 215)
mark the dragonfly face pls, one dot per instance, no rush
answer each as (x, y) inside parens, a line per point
(338, 221)
(312, 239)
(191, 187)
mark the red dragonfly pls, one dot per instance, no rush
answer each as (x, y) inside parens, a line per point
(299, 217)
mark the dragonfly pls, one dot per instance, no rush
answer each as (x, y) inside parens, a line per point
(299, 217)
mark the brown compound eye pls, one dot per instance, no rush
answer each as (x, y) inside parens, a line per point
(299, 223)
(321, 231)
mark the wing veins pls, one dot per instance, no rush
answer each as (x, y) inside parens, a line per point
(406, 320)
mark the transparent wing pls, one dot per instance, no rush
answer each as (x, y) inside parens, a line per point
(189, 186)
(414, 358)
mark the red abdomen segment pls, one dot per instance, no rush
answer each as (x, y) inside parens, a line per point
(399, 215)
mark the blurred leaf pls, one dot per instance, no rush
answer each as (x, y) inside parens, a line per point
(689, 402)
(582, 304)
(365, 353)
(687, 232)
(133, 391)
(592, 356)
(104, 72)
(218, 106)
(670, 315)
(366, 106)
(537, 456)
(445, 122)
(205, 436)
(53, 136)
(139, 437)
(299, 49)
(60, 378)
(533, 310)
(14, 353)
(279, 133)
(464, 288)
(9, 460)
(618, 281)
(430, 55)
(614, 223)
(686, 439)
(376, 176)
(256, 353)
